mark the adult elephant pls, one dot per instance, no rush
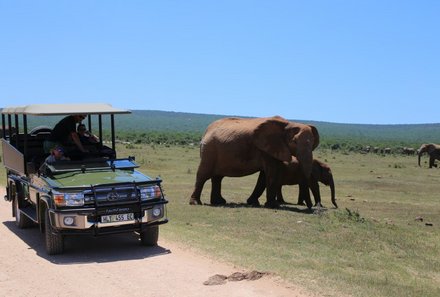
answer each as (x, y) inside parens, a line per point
(290, 174)
(433, 150)
(236, 147)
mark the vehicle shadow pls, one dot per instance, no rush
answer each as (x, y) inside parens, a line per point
(85, 249)
(285, 207)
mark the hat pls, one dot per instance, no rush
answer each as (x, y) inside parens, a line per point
(59, 148)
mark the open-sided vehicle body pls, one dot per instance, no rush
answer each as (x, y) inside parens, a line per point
(99, 194)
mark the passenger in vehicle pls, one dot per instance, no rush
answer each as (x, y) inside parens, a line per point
(92, 143)
(64, 134)
(56, 154)
(85, 136)
(89, 141)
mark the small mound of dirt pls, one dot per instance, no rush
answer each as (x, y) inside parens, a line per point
(254, 275)
(219, 279)
(237, 276)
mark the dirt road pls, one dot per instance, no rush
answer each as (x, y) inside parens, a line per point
(115, 266)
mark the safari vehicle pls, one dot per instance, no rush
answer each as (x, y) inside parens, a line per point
(96, 195)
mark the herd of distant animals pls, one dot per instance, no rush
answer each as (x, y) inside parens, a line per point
(432, 149)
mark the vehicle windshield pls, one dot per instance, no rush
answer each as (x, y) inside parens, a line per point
(91, 164)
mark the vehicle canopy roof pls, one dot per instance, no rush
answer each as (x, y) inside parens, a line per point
(64, 109)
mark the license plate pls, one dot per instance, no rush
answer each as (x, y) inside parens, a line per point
(117, 218)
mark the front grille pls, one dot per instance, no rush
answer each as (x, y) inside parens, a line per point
(111, 195)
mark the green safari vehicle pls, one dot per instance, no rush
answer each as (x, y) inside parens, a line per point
(96, 195)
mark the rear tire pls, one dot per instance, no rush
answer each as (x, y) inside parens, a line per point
(150, 235)
(54, 241)
(21, 220)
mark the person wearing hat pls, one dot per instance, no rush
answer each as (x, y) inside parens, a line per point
(64, 133)
(56, 154)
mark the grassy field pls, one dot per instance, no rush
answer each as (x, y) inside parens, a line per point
(384, 240)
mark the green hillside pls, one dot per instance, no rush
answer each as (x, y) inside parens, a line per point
(178, 121)
(410, 135)
(153, 126)
(360, 134)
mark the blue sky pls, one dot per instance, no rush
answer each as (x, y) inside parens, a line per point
(373, 62)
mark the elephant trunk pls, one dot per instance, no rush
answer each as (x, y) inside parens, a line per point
(332, 191)
(420, 154)
(305, 160)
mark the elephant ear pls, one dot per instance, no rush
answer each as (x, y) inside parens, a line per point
(426, 148)
(270, 137)
(430, 148)
(315, 136)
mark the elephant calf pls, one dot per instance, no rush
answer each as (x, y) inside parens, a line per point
(291, 174)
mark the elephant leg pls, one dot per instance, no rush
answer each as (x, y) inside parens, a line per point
(201, 177)
(271, 202)
(258, 190)
(314, 187)
(280, 198)
(301, 193)
(216, 191)
(304, 194)
(272, 186)
(273, 170)
(432, 162)
(300, 198)
(195, 196)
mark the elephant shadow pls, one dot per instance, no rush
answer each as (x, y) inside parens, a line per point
(285, 207)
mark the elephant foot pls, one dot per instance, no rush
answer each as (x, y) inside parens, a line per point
(218, 201)
(253, 202)
(319, 205)
(195, 201)
(308, 204)
(272, 204)
(281, 201)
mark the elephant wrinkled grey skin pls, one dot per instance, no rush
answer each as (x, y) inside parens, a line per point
(433, 150)
(236, 147)
(292, 175)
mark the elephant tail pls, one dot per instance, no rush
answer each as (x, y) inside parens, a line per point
(201, 146)
(332, 191)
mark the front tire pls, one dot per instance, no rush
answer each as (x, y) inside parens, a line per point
(54, 241)
(150, 235)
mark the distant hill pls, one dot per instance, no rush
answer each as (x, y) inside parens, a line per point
(152, 120)
(148, 121)
(155, 120)
(411, 134)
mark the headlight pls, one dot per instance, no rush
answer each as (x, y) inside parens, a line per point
(68, 199)
(152, 192)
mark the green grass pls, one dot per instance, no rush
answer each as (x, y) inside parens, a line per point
(371, 246)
